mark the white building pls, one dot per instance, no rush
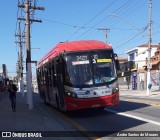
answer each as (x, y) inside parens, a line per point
(139, 54)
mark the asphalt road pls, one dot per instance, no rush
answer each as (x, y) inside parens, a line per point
(128, 117)
(135, 116)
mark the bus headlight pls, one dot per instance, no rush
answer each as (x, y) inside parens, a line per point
(115, 87)
(71, 94)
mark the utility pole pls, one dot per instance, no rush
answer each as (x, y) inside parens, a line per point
(106, 33)
(20, 60)
(18, 65)
(28, 6)
(28, 58)
(149, 49)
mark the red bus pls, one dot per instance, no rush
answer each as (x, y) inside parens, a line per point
(2, 86)
(78, 75)
(3, 78)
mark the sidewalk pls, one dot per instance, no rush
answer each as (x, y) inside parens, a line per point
(42, 118)
(139, 93)
(140, 96)
(23, 119)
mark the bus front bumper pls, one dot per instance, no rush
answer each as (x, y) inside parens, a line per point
(82, 103)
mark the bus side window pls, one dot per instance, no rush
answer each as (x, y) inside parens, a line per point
(38, 75)
(43, 75)
(49, 74)
(46, 74)
(53, 74)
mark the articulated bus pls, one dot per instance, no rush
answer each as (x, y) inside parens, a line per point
(79, 75)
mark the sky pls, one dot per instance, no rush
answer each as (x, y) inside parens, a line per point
(70, 20)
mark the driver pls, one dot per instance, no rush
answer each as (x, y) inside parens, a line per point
(97, 76)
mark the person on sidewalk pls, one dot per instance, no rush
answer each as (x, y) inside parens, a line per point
(12, 89)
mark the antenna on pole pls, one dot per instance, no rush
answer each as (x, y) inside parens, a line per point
(106, 32)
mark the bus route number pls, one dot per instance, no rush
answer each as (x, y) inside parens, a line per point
(82, 58)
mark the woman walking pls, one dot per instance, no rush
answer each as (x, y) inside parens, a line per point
(12, 95)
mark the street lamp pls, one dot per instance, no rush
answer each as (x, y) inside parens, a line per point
(149, 44)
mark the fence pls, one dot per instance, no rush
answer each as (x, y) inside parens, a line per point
(137, 81)
(155, 80)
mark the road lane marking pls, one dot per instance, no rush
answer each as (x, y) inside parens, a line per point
(156, 104)
(134, 117)
(142, 101)
(83, 131)
(78, 126)
(134, 100)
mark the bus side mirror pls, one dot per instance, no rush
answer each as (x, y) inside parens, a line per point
(117, 62)
(117, 65)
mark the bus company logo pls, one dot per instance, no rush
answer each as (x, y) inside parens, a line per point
(6, 134)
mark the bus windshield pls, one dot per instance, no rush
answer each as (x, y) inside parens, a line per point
(89, 68)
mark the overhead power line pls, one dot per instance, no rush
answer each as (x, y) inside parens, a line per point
(108, 6)
(130, 39)
(105, 18)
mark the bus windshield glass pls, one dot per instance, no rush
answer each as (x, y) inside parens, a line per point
(103, 66)
(89, 68)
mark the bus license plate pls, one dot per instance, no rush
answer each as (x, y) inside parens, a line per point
(96, 105)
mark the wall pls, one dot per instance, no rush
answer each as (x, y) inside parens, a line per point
(141, 57)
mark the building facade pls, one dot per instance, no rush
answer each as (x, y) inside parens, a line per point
(139, 55)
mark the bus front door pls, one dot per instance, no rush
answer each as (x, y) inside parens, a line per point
(60, 85)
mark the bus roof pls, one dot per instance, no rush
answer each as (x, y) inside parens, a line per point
(73, 46)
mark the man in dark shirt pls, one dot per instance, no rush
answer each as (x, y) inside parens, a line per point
(12, 95)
